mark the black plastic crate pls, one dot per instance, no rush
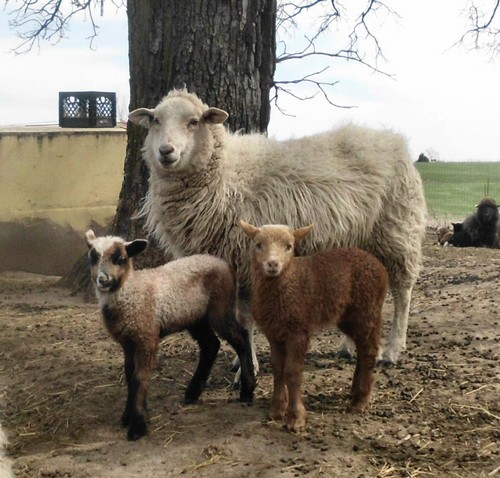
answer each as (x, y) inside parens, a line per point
(87, 109)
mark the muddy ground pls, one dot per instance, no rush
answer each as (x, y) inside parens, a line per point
(435, 414)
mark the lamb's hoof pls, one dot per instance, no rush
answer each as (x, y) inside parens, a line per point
(193, 393)
(137, 430)
(295, 425)
(246, 397)
(358, 407)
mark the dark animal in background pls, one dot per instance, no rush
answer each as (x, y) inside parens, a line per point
(444, 236)
(479, 229)
(459, 238)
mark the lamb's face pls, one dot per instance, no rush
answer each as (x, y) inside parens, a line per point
(273, 249)
(179, 137)
(273, 246)
(110, 260)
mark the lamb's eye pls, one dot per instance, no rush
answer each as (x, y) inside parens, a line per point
(193, 122)
(117, 259)
(258, 246)
(94, 257)
(288, 247)
(156, 121)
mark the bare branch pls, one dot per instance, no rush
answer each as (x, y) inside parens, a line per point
(49, 20)
(310, 78)
(484, 31)
(358, 40)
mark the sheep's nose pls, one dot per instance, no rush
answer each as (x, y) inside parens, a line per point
(166, 149)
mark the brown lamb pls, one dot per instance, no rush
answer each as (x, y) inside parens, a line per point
(292, 297)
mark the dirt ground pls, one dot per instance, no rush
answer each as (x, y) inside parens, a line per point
(435, 414)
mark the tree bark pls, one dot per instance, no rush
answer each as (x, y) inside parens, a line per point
(222, 50)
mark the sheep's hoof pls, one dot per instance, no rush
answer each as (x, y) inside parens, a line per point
(137, 430)
(385, 363)
(344, 354)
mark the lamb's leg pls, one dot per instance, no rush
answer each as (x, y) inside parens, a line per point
(129, 366)
(397, 337)
(363, 380)
(296, 350)
(279, 400)
(209, 347)
(237, 336)
(145, 360)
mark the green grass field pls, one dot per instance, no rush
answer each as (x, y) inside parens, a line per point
(453, 189)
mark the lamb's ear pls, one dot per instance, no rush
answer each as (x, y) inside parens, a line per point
(249, 230)
(135, 247)
(90, 237)
(215, 116)
(299, 234)
(142, 117)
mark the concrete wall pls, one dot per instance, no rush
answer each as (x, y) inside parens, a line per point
(55, 183)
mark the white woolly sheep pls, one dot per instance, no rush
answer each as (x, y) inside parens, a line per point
(358, 185)
(140, 307)
(292, 297)
(5, 462)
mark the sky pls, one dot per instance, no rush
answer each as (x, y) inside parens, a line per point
(444, 99)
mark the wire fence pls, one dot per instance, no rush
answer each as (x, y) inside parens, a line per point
(452, 190)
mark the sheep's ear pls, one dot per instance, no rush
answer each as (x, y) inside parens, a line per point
(215, 116)
(142, 117)
(299, 234)
(90, 237)
(249, 230)
(135, 247)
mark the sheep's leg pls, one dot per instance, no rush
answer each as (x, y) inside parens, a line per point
(347, 348)
(397, 337)
(279, 400)
(129, 366)
(209, 347)
(246, 320)
(237, 336)
(145, 360)
(296, 350)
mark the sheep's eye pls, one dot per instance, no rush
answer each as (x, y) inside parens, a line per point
(288, 247)
(94, 257)
(258, 246)
(193, 122)
(156, 120)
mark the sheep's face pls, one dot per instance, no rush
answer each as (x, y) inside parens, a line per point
(487, 211)
(273, 246)
(179, 137)
(110, 260)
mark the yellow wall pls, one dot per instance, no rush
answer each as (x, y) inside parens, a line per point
(66, 177)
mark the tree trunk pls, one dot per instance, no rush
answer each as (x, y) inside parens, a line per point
(222, 50)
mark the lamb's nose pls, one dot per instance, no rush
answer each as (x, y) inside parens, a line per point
(166, 149)
(272, 264)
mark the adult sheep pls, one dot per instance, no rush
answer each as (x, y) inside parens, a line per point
(358, 185)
